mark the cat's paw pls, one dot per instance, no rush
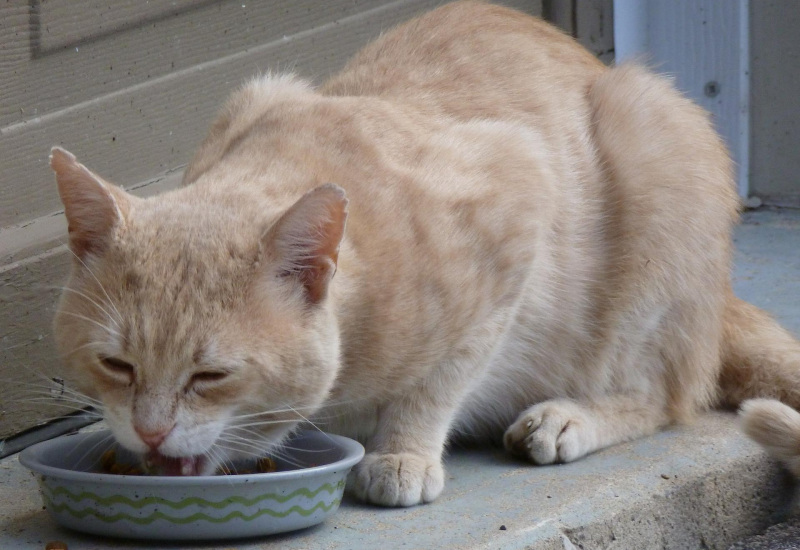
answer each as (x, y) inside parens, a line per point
(397, 479)
(554, 431)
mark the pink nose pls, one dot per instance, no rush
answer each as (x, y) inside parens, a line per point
(152, 438)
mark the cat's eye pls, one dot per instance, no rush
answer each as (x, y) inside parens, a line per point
(208, 377)
(118, 366)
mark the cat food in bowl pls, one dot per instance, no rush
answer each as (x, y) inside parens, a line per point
(306, 488)
(111, 464)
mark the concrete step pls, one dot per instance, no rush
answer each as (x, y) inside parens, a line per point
(699, 486)
(784, 536)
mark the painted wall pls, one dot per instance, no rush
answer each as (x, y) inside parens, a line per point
(775, 101)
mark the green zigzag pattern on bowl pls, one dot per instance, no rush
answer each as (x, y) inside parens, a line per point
(80, 514)
(141, 503)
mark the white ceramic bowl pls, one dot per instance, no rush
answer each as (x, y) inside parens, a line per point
(190, 508)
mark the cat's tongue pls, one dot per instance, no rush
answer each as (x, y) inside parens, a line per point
(175, 466)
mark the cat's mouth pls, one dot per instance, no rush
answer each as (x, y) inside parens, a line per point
(175, 466)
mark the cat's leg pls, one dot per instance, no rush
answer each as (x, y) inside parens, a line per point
(562, 430)
(659, 368)
(403, 464)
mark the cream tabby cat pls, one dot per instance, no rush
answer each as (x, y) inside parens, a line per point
(474, 228)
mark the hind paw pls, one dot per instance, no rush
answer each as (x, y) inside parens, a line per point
(550, 432)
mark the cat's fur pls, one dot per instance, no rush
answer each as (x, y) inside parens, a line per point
(535, 245)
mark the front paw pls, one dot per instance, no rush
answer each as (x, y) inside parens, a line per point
(401, 479)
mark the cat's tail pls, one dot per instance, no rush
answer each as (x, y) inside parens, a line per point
(761, 373)
(776, 427)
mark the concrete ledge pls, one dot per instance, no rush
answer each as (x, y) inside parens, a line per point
(785, 536)
(701, 486)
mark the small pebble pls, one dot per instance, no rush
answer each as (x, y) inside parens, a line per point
(665, 476)
(502, 527)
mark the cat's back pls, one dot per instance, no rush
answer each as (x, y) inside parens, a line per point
(472, 59)
(464, 62)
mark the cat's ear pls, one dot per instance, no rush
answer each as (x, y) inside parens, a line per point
(305, 240)
(94, 209)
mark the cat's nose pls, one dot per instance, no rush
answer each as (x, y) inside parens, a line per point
(152, 438)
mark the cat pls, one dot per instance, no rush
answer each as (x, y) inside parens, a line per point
(475, 228)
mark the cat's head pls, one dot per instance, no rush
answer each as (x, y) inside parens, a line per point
(202, 323)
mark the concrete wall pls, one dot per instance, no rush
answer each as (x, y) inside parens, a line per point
(775, 101)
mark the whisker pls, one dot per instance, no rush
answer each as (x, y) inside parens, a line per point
(304, 450)
(317, 418)
(257, 452)
(245, 430)
(285, 458)
(96, 304)
(276, 452)
(62, 399)
(283, 445)
(77, 405)
(77, 349)
(265, 423)
(313, 408)
(214, 456)
(58, 391)
(244, 442)
(102, 441)
(217, 456)
(22, 344)
(110, 301)
(99, 324)
(312, 425)
(55, 384)
(62, 413)
(268, 412)
(78, 397)
(40, 422)
(226, 461)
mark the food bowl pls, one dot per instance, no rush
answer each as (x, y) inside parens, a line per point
(306, 489)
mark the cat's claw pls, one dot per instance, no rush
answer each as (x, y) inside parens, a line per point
(397, 479)
(554, 431)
